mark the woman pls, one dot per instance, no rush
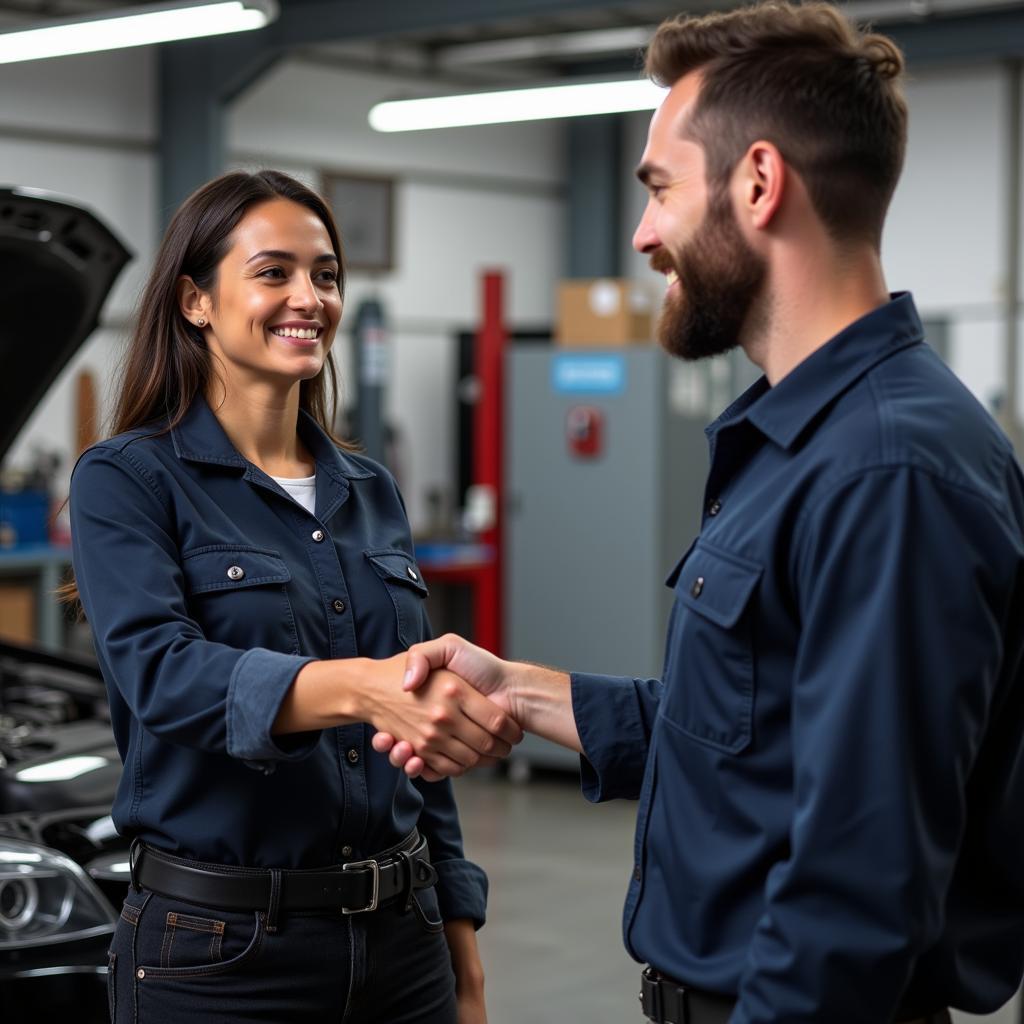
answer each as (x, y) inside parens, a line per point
(251, 585)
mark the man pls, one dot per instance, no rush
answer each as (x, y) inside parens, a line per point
(830, 771)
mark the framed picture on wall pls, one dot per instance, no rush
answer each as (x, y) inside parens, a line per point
(363, 208)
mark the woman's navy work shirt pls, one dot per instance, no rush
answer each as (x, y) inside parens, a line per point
(207, 588)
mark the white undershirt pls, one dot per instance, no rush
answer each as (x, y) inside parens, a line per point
(302, 489)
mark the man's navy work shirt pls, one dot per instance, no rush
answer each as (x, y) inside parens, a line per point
(207, 588)
(831, 769)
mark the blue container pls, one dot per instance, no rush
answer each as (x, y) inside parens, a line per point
(24, 518)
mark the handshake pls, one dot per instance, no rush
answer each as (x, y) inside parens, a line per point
(462, 707)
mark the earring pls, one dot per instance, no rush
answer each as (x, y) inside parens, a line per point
(201, 322)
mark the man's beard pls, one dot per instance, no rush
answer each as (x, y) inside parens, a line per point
(720, 280)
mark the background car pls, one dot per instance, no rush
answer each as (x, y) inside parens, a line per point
(63, 868)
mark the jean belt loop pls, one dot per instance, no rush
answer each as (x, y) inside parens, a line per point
(133, 862)
(405, 896)
(275, 900)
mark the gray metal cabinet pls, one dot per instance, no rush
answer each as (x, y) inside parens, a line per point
(589, 539)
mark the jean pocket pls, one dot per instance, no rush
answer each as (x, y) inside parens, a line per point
(710, 669)
(191, 940)
(177, 939)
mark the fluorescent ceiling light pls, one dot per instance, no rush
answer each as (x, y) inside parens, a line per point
(134, 26)
(516, 105)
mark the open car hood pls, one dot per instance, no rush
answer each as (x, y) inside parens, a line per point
(58, 262)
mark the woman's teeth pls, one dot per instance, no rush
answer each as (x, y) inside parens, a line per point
(306, 334)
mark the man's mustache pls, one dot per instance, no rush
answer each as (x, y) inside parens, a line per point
(661, 260)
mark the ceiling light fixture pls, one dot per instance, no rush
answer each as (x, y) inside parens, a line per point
(134, 26)
(501, 107)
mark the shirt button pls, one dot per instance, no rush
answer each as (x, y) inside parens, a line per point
(353, 756)
(236, 572)
(338, 605)
(698, 586)
(714, 508)
(637, 875)
(412, 572)
(140, 974)
(346, 851)
(318, 535)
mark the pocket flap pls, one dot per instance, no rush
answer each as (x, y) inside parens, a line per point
(717, 585)
(226, 567)
(397, 567)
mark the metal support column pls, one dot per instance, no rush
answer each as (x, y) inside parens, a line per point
(488, 462)
(197, 80)
(595, 195)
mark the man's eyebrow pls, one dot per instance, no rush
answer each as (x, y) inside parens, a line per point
(280, 254)
(646, 171)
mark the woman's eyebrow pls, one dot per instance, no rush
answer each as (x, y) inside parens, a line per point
(280, 254)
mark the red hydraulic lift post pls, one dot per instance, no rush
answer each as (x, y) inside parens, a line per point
(488, 420)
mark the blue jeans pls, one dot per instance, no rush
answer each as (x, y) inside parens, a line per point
(180, 962)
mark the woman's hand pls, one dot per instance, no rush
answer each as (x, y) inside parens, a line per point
(447, 721)
(485, 672)
(469, 972)
(450, 724)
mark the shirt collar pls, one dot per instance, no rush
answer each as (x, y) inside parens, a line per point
(782, 412)
(199, 437)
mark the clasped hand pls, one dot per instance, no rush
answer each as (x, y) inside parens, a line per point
(472, 723)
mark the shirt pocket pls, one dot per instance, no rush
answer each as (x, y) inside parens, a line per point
(402, 579)
(239, 596)
(710, 669)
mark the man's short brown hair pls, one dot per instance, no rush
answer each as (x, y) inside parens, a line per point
(804, 78)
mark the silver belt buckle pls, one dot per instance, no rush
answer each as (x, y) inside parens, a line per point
(374, 866)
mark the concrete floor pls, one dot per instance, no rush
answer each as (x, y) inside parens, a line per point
(559, 867)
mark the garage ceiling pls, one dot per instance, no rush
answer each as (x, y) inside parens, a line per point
(461, 42)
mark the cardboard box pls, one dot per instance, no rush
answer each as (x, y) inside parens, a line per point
(17, 613)
(603, 311)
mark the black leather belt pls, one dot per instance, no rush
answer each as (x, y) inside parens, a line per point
(355, 887)
(670, 1002)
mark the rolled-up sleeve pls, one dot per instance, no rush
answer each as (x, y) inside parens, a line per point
(461, 884)
(614, 717)
(179, 685)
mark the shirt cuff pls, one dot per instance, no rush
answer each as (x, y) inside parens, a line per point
(257, 687)
(612, 733)
(461, 891)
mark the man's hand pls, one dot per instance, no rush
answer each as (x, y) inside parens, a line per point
(424, 662)
(450, 725)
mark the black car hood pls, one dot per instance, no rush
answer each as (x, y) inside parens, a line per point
(58, 262)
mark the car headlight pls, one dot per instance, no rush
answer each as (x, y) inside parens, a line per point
(46, 897)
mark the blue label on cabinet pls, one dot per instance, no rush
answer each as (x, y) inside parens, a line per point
(593, 375)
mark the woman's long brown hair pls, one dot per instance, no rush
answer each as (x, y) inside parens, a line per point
(168, 363)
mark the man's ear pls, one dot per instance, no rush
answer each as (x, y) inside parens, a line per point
(194, 303)
(760, 183)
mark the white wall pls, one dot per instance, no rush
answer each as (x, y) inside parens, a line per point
(466, 199)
